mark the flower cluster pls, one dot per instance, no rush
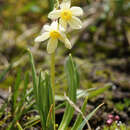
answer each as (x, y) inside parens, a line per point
(61, 17)
(112, 118)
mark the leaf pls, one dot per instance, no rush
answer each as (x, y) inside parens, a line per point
(45, 101)
(51, 3)
(20, 104)
(5, 72)
(73, 84)
(34, 76)
(50, 117)
(15, 90)
(80, 118)
(32, 121)
(88, 117)
(19, 126)
(99, 91)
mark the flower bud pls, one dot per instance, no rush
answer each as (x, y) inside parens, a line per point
(110, 116)
(109, 122)
(117, 118)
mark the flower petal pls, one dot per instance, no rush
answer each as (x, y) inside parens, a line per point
(52, 45)
(65, 4)
(42, 37)
(55, 14)
(76, 11)
(46, 27)
(54, 25)
(75, 23)
(63, 24)
(66, 41)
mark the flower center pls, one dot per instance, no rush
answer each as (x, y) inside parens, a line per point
(54, 34)
(66, 14)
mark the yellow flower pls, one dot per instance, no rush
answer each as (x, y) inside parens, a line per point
(67, 15)
(53, 33)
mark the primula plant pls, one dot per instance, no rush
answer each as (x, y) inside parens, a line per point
(41, 98)
(62, 16)
(59, 90)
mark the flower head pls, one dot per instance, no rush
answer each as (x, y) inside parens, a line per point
(117, 118)
(109, 122)
(53, 33)
(67, 15)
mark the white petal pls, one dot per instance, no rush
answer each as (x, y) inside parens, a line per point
(77, 11)
(42, 37)
(65, 4)
(66, 41)
(75, 23)
(52, 45)
(63, 23)
(55, 14)
(46, 27)
(54, 25)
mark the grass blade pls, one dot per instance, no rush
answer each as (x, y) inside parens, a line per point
(34, 76)
(51, 3)
(89, 116)
(73, 84)
(99, 91)
(19, 126)
(23, 96)
(80, 118)
(15, 90)
(5, 72)
(45, 101)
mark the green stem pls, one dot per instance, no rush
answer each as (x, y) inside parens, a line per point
(51, 3)
(53, 82)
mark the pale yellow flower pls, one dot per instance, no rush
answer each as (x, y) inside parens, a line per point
(53, 33)
(67, 15)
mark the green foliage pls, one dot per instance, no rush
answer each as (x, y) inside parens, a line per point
(43, 96)
(16, 90)
(42, 92)
(105, 36)
(73, 84)
(18, 108)
(80, 127)
(80, 118)
(120, 106)
(99, 91)
(2, 76)
(115, 125)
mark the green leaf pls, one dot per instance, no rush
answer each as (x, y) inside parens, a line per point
(45, 101)
(99, 91)
(19, 126)
(73, 84)
(88, 117)
(5, 72)
(32, 121)
(23, 96)
(51, 3)
(80, 118)
(34, 76)
(15, 90)
(21, 106)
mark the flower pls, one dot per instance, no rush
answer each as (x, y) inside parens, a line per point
(109, 122)
(53, 33)
(117, 118)
(67, 15)
(110, 116)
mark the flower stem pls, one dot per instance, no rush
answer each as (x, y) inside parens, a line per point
(53, 82)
